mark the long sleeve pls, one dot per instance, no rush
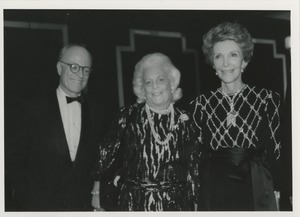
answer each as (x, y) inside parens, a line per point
(273, 149)
(272, 110)
(197, 116)
(110, 147)
(255, 130)
(193, 158)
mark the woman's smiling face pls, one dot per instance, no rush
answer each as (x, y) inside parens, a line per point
(157, 87)
(228, 61)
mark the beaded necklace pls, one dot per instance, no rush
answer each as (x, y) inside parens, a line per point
(151, 122)
(232, 114)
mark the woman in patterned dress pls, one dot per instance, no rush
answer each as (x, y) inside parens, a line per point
(152, 144)
(238, 129)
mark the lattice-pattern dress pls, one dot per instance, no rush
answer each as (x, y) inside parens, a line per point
(240, 139)
(154, 177)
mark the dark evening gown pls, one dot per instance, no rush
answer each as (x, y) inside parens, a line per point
(154, 177)
(240, 145)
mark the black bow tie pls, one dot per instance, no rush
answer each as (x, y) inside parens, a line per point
(79, 99)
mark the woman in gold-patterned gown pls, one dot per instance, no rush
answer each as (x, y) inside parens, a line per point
(155, 143)
(238, 127)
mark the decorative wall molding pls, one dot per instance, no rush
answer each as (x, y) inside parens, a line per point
(132, 46)
(276, 55)
(35, 25)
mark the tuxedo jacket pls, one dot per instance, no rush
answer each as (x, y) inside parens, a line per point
(44, 177)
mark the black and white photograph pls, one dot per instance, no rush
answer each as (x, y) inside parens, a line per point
(127, 107)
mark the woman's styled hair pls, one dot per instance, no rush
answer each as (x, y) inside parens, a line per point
(152, 60)
(228, 31)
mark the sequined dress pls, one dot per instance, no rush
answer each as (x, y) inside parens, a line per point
(240, 145)
(154, 177)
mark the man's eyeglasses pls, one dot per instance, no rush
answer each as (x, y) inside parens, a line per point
(75, 68)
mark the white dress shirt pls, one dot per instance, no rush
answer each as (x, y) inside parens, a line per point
(71, 117)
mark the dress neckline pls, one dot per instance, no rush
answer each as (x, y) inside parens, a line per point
(232, 95)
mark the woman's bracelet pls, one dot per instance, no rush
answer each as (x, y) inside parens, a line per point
(95, 192)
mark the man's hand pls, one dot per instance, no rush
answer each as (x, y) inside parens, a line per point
(96, 203)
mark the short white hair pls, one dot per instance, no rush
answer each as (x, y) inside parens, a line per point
(157, 59)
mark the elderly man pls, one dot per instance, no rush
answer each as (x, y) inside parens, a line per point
(51, 158)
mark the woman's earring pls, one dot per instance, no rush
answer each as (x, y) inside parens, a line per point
(216, 73)
(242, 70)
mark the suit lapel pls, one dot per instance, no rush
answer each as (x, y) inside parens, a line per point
(58, 130)
(85, 127)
